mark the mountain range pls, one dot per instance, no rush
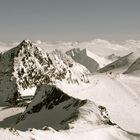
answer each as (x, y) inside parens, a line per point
(70, 90)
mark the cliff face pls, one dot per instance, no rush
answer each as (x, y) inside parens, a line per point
(134, 67)
(82, 57)
(54, 108)
(122, 61)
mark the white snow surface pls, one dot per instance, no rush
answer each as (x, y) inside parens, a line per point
(119, 93)
(125, 115)
(102, 133)
(101, 60)
(121, 101)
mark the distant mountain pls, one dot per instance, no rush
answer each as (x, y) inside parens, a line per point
(99, 47)
(54, 108)
(88, 59)
(120, 62)
(26, 66)
(134, 67)
(82, 58)
(113, 57)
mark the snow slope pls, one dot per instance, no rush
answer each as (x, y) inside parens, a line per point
(120, 62)
(56, 109)
(100, 133)
(118, 93)
(85, 56)
(122, 104)
(9, 115)
(89, 122)
(101, 60)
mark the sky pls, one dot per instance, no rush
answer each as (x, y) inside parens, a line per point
(69, 20)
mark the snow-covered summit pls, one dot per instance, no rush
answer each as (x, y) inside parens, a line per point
(27, 65)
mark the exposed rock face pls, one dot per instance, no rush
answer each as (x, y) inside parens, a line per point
(82, 57)
(54, 108)
(134, 67)
(8, 87)
(122, 61)
(113, 57)
(27, 66)
(30, 65)
(21, 67)
(73, 72)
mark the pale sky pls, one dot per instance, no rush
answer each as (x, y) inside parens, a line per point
(69, 20)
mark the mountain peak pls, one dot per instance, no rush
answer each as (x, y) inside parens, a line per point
(30, 66)
(26, 41)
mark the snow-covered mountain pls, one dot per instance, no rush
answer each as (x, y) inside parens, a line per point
(73, 72)
(106, 108)
(83, 58)
(120, 62)
(26, 66)
(88, 59)
(56, 109)
(135, 66)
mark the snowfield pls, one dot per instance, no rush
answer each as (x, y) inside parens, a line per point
(116, 96)
(76, 104)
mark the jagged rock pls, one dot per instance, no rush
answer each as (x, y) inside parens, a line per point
(67, 68)
(54, 108)
(82, 57)
(73, 52)
(18, 69)
(134, 67)
(113, 57)
(27, 66)
(122, 61)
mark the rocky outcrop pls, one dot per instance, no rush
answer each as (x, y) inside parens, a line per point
(134, 67)
(113, 57)
(54, 108)
(122, 61)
